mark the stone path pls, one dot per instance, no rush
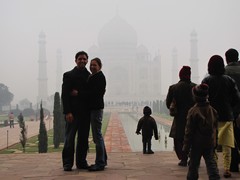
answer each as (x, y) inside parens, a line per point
(122, 163)
(115, 138)
(121, 166)
(10, 136)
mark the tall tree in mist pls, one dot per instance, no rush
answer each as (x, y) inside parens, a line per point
(6, 96)
(56, 121)
(23, 131)
(62, 124)
(42, 136)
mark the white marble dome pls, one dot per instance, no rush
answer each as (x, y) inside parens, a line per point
(117, 33)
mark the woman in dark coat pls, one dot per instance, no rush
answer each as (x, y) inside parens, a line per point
(182, 93)
(96, 88)
(223, 96)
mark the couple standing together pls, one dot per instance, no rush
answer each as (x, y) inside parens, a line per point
(82, 98)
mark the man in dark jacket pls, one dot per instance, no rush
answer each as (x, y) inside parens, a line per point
(182, 93)
(233, 70)
(76, 113)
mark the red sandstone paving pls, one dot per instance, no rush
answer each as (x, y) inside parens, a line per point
(122, 163)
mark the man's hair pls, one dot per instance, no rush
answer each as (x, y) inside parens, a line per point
(81, 53)
(231, 55)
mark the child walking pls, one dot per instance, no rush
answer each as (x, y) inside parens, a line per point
(147, 125)
(200, 134)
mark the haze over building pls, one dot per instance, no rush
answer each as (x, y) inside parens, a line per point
(133, 75)
(42, 70)
(59, 71)
(194, 57)
(71, 26)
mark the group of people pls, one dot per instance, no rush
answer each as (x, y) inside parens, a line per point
(206, 116)
(83, 104)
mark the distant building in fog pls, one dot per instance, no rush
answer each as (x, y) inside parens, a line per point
(194, 57)
(59, 71)
(132, 74)
(175, 69)
(193, 60)
(42, 70)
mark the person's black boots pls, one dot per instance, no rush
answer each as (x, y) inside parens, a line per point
(149, 148)
(234, 167)
(144, 148)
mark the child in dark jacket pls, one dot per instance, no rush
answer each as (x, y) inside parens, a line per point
(200, 134)
(147, 125)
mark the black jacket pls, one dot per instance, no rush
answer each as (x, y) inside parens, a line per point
(200, 131)
(223, 95)
(182, 92)
(147, 125)
(233, 70)
(96, 86)
(75, 79)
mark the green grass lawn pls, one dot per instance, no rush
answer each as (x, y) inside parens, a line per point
(32, 143)
(3, 117)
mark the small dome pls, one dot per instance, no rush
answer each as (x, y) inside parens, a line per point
(42, 38)
(193, 33)
(117, 33)
(42, 35)
(142, 49)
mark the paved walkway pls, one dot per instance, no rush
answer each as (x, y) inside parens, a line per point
(122, 164)
(10, 136)
(115, 138)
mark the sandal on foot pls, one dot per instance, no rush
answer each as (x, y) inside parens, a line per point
(227, 174)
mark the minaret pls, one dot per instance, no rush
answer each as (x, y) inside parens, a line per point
(155, 78)
(194, 57)
(59, 71)
(42, 70)
(175, 69)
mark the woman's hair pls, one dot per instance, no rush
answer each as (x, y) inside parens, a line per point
(99, 62)
(216, 65)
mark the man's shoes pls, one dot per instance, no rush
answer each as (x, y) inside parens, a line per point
(227, 174)
(67, 168)
(150, 152)
(96, 168)
(183, 163)
(234, 170)
(84, 166)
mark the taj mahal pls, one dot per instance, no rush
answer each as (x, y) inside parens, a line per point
(128, 68)
(132, 74)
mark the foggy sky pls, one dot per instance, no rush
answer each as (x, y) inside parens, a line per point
(73, 25)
